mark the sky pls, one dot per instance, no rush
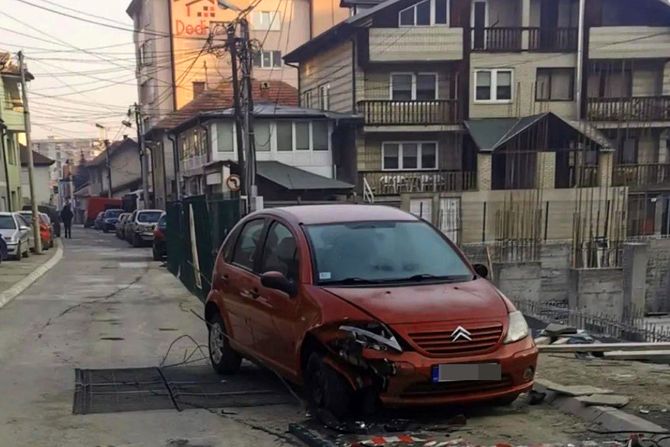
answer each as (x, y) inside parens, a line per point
(77, 84)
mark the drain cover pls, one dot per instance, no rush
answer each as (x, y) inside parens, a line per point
(180, 388)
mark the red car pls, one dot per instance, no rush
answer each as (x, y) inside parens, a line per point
(46, 229)
(364, 302)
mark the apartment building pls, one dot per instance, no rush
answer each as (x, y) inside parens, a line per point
(62, 150)
(466, 99)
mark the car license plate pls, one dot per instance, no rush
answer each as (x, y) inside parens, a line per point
(458, 372)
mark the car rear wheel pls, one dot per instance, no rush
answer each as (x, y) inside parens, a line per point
(19, 252)
(223, 357)
(326, 388)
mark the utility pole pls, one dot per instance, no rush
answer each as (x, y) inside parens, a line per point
(108, 165)
(247, 114)
(143, 156)
(231, 43)
(31, 166)
(5, 162)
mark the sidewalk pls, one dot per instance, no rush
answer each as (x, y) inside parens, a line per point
(16, 276)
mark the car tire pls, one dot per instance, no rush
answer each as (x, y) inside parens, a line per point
(224, 359)
(27, 255)
(326, 388)
(19, 253)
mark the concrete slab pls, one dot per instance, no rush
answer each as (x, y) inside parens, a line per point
(572, 390)
(610, 400)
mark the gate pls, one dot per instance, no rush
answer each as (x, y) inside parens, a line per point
(450, 218)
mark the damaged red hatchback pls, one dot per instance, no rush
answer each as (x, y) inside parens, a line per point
(364, 304)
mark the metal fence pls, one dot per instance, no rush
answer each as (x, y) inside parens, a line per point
(196, 227)
(630, 327)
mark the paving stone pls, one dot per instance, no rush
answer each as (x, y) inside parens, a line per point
(573, 390)
(610, 400)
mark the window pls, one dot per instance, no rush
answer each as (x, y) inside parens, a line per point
(307, 99)
(267, 59)
(245, 249)
(493, 85)
(409, 155)
(413, 86)
(285, 136)
(628, 152)
(198, 88)
(554, 84)
(262, 136)
(266, 20)
(425, 13)
(224, 137)
(146, 53)
(302, 136)
(320, 135)
(324, 97)
(280, 253)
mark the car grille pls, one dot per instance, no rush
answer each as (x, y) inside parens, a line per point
(446, 388)
(440, 343)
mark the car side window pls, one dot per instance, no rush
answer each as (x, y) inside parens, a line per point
(280, 253)
(247, 242)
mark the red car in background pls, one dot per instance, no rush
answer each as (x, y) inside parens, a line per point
(159, 246)
(46, 229)
(364, 304)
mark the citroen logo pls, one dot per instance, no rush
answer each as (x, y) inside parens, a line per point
(460, 332)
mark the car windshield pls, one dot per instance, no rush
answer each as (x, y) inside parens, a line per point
(113, 213)
(149, 216)
(382, 252)
(7, 223)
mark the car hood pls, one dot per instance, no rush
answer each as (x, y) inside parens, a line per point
(9, 233)
(425, 303)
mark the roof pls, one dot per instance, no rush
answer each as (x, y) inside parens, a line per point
(341, 31)
(38, 159)
(295, 179)
(221, 97)
(8, 67)
(338, 213)
(113, 149)
(490, 134)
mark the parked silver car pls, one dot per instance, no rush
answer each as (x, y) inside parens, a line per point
(17, 234)
(140, 226)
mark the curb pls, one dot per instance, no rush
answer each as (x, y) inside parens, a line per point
(8, 295)
(609, 418)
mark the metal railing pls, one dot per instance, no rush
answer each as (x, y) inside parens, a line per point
(553, 39)
(641, 174)
(393, 112)
(511, 38)
(385, 183)
(631, 326)
(643, 108)
(583, 176)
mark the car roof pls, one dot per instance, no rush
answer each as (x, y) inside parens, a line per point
(6, 213)
(323, 214)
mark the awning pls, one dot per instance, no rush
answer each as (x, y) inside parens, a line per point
(491, 133)
(295, 179)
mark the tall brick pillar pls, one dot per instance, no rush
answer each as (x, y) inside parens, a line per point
(605, 166)
(484, 169)
(546, 170)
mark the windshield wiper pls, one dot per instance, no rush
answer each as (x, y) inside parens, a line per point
(431, 277)
(351, 280)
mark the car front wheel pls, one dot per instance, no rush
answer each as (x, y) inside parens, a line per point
(19, 252)
(222, 356)
(326, 388)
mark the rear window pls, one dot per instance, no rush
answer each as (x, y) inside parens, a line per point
(149, 216)
(7, 223)
(113, 213)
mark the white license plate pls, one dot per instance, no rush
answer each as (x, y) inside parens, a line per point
(459, 372)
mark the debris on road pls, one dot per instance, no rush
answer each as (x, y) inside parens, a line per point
(603, 347)
(572, 390)
(610, 400)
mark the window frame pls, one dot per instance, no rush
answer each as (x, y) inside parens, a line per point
(414, 76)
(493, 86)
(270, 224)
(324, 96)
(254, 268)
(419, 155)
(432, 14)
(272, 65)
(549, 70)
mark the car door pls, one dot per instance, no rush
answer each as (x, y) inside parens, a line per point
(26, 232)
(240, 283)
(275, 327)
(128, 229)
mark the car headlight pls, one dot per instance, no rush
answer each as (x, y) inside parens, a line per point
(518, 328)
(374, 336)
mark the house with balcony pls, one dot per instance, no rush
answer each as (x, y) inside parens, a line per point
(301, 153)
(12, 133)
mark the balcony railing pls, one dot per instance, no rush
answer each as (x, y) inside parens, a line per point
(391, 112)
(644, 108)
(386, 183)
(641, 174)
(497, 39)
(512, 39)
(553, 39)
(583, 176)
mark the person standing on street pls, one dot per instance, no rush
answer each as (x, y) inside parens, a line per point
(66, 216)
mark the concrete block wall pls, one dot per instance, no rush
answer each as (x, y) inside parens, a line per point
(555, 259)
(598, 291)
(658, 276)
(519, 280)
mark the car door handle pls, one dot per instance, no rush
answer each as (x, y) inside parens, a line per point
(224, 277)
(250, 294)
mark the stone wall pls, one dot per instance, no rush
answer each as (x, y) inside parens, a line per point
(555, 259)
(598, 291)
(658, 276)
(519, 280)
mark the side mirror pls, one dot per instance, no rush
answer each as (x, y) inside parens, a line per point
(481, 270)
(277, 281)
(24, 228)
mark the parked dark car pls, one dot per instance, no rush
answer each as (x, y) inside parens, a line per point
(121, 224)
(3, 250)
(160, 244)
(97, 223)
(110, 218)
